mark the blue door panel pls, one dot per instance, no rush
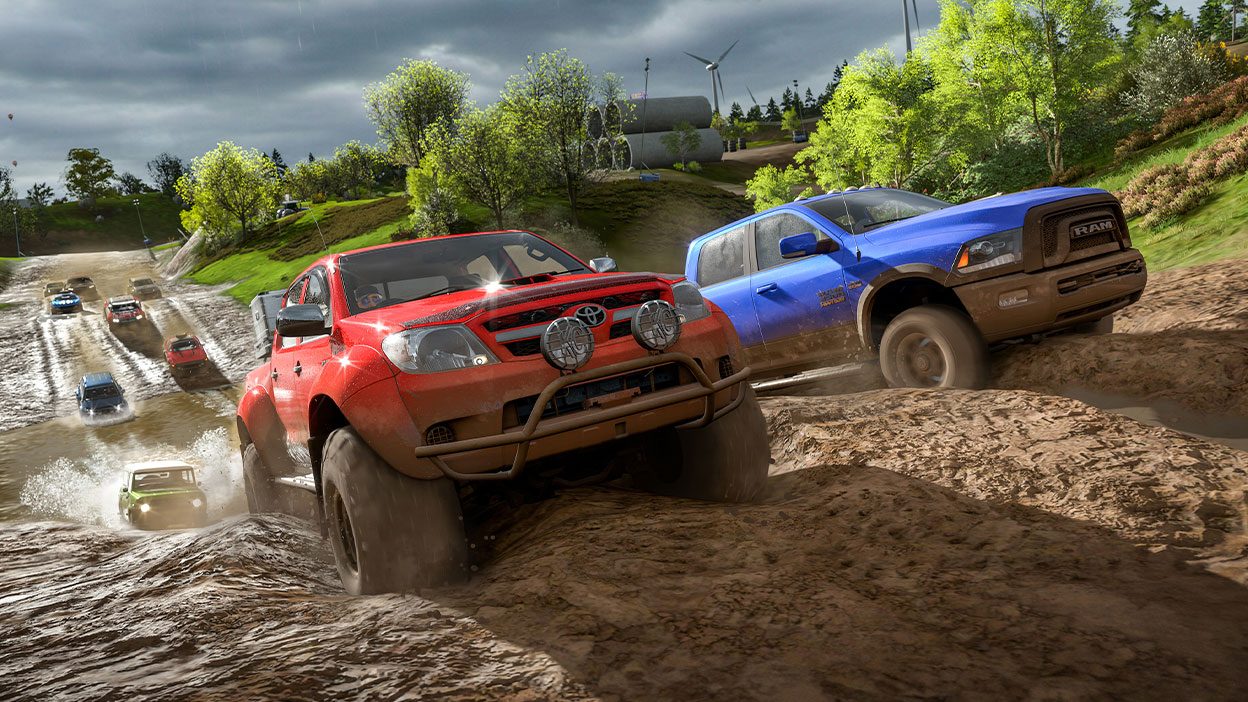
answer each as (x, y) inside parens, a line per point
(736, 298)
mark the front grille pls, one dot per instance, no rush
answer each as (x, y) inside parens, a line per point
(725, 367)
(545, 314)
(524, 347)
(1069, 285)
(620, 329)
(439, 434)
(1093, 308)
(1088, 242)
(574, 398)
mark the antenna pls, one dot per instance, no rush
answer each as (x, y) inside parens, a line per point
(849, 218)
(312, 212)
(645, 95)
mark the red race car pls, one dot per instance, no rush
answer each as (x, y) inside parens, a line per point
(487, 367)
(184, 354)
(122, 310)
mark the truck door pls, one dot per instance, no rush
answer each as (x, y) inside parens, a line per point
(721, 275)
(803, 311)
(282, 361)
(298, 365)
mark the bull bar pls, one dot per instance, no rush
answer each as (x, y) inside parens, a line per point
(532, 431)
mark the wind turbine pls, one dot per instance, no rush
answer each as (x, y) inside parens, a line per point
(905, 20)
(713, 67)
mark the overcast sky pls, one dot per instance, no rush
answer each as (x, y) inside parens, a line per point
(135, 78)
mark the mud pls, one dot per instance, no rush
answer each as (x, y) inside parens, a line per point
(1000, 544)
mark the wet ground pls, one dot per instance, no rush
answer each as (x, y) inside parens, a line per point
(1001, 544)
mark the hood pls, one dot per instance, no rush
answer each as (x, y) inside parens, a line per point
(195, 354)
(960, 223)
(104, 403)
(169, 492)
(460, 306)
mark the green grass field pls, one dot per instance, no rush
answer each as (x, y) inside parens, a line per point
(74, 229)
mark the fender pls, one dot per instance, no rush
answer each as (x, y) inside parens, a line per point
(258, 421)
(867, 299)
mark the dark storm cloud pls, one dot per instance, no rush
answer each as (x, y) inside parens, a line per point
(139, 77)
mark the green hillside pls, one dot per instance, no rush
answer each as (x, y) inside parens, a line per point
(74, 229)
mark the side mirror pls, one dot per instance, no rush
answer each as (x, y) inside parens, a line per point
(301, 320)
(606, 264)
(806, 244)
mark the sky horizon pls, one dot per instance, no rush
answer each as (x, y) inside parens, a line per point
(136, 78)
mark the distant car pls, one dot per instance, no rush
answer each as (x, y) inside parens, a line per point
(289, 207)
(162, 495)
(83, 286)
(65, 303)
(123, 310)
(53, 288)
(100, 398)
(184, 354)
(143, 289)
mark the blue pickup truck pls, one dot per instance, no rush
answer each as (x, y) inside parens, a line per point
(921, 284)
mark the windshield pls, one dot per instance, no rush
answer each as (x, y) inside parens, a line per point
(162, 479)
(124, 306)
(101, 392)
(864, 210)
(397, 274)
(183, 345)
(78, 281)
(142, 281)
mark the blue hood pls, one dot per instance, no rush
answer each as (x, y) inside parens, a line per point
(961, 223)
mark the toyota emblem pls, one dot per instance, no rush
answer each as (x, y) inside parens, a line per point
(591, 315)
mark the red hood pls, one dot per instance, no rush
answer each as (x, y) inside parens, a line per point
(195, 354)
(460, 306)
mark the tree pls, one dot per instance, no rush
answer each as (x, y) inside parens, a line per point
(8, 194)
(1212, 22)
(550, 99)
(307, 180)
(129, 184)
(1169, 69)
(165, 170)
(809, 100)
(88, 173)
(787, 100)
(409, 102)
(228, 185)
(311, 158)
(1141, 12)
(278, 164)
(736, 113)
(681, 141)
(771, 186)
(826, 96)
(773, 112)
(487, 159)
(791, 121)
(356, 165)
(38, 197)
(755, 114)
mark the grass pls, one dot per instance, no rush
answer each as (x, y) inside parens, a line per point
(74, 229)
(1172, 150)
(1215, 230)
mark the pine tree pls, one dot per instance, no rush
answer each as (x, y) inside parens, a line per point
(809, 100)
(773, 112)
(826, 96)
(755, 114)
(311, 158)
(1140, 13)
(278, 163)
(736, 113)
(786, 100)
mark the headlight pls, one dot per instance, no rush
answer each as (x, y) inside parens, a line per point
(656, 326)
(197, 502)
(689, 302)
(1000, 249)
(145, 507)
(436, 349)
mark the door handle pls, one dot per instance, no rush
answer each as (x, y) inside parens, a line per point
(764, 289)
(298, 368)
(273, 375)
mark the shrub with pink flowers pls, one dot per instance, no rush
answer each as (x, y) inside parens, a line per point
(1163, 192)
(1221, 105)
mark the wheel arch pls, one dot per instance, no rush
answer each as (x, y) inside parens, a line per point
(897, 290)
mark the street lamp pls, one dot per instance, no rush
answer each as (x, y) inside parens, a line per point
(147, 243)
(16, 235)
(797, 98)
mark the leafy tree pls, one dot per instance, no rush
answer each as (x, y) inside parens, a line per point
(356, 165)
(1171, 68)
(1140, 12)
(771, 186)
(39, 195)
(88, 173)
(550, 99)
(791, 121)
(773, 112)
(488, 159)
(755, 114)
(736, 113)
(1212, 21)
(226, 186)
(307, 180)
(411, 101)
(681, 141)
(130, 184)
(165, 170)
(8, 194)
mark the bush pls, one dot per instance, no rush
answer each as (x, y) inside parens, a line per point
(693, 167)
(583, 243)
(1222, 105)
(1173, 67)
(1164, 192)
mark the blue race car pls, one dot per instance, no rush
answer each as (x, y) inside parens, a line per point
(101, 400)
(65, 302)
(919, 283)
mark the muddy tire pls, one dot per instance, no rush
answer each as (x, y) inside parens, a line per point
(389, 532)
(258, 483)
(933, 346)
(726, 461)
(1104, 325)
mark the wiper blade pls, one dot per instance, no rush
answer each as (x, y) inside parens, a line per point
(886, 221)
(442, 291)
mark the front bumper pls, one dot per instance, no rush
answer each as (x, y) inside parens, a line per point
(572, 432)
(1026, 303)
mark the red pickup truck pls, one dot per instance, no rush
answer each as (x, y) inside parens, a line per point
(409, 381)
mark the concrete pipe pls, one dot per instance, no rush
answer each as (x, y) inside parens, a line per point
(610, 118)
(662, 114)
(655, 154)
(602, 153)
(593, 122)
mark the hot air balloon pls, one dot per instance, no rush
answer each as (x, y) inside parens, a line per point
(15, 163)
(10, 116)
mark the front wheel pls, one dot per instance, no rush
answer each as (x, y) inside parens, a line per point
(389, 532)
(933, 346)
(725, 461)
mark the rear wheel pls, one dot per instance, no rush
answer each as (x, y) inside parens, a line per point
(933, 346)
(726, 461)
(389, 532)
(258, 483)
